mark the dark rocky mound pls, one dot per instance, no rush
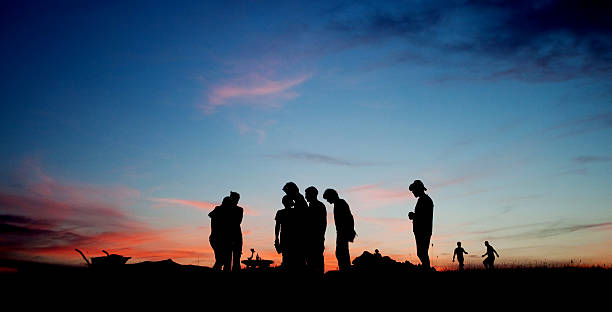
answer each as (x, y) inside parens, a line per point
(375, 262)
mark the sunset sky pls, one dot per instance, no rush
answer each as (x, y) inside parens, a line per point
(124, 123)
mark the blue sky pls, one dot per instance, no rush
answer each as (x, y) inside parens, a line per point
(152, 112)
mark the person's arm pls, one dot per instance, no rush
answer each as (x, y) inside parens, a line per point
(277, 228)
(454, 253)
(465, 252)
(496, 253)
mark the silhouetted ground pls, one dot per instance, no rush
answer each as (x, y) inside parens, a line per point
(153, 284)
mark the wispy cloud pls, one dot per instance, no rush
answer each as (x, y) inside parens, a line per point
(184, 202)
(591, 159)
(44, 218)
(253, 89)
(319, 158)
(544, 230)
(203, 205)
(581, 125)
(371, 196)
(24, 238)
(260, 130)
(396, 225)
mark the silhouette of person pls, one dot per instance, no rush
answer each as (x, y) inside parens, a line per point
(490, 260)
(219, 235)
(345, 228)
(459, 251)
(422, 221)
(299, 224)
(282, 232)
(317, 224)
(236, 214)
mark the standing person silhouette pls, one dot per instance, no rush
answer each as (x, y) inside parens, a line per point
(345, 228)
(236, 214)
(422, 221)
(282, 232)
(317, 224)
(298, 250)
(490, 260)
(220, 236)
(459, 251)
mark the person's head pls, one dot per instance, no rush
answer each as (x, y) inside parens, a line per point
(486, 243)
(311, 193)
(235, 197)
(287, 201)
(417, 188)
(330, 195)
(291, 188)
(458, 244)
(227, 201)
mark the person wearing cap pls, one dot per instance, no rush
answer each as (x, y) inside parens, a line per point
(422, 221)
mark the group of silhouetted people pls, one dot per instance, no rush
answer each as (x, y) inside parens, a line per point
(299, 232)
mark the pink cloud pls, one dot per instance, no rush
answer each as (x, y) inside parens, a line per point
(38, 183)
(254, 88)
(185, 202)
(208, 206)
(397, 225)
(374, 196)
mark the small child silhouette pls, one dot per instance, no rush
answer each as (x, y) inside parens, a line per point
(459, 251)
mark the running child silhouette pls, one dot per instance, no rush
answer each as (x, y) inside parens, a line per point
(490, 260)
(459, 251)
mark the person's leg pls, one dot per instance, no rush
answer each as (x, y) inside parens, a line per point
(226, 257)
(236, 254)
(309, 259)
(217, 253)
(320, 260)
(287, 260)
(488, 263)
(422, 242)
(342, 254)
